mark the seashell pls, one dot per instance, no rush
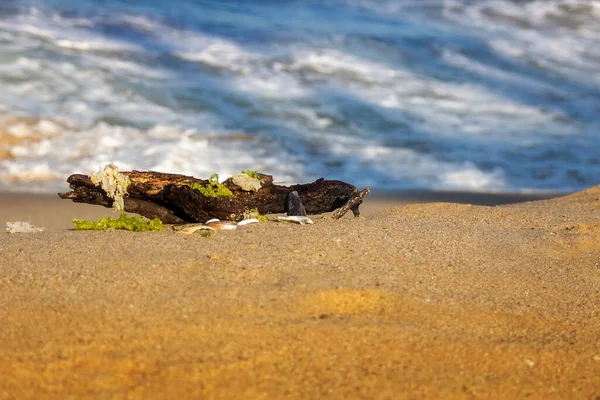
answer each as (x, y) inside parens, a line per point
(214, 224)
(188, 229)
(219, 225)
(295, 219)
(248, 221)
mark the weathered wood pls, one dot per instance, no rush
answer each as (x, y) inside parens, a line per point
(170, 198)
(352, 204)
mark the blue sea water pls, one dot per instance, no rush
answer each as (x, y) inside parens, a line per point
(490, 95)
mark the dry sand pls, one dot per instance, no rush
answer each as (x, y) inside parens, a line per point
(414, 301)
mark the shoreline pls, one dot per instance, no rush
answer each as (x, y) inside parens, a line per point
(30, 207)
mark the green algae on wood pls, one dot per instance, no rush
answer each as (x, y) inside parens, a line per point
(213, 188)
(135, 224)
(253, 213)
(253, 174)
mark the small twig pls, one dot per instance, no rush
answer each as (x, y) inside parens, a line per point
(352, 204)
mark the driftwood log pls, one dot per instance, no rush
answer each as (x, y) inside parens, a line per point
(169, 197)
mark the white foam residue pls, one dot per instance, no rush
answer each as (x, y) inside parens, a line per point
(334, 62)
(274, 86)
(210, 50)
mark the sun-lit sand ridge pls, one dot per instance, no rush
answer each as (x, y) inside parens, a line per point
(432, 300)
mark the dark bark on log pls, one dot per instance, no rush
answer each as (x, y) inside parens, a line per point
(170, 198)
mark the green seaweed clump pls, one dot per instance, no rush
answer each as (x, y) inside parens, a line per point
(135, 224)
(253, 174)
(255, 214)
(213, 188)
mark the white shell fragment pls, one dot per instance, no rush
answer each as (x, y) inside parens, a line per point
(214, 224)
(295, 219)
(218, 225)
(248, 221)
(188, 229)
(22, 227)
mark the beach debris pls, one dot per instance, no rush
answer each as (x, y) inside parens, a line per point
(254, 214)
(179, 199)
(113, 183)
(135, 224)
(250, 181)
(221, 225)
(352, 204)
(248, 221)
(188, 229)
(296, 213)
(22, 227)
(214, 224)
(293, 205)
(295, 219)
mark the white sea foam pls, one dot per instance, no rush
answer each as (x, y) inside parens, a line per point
(138, 22)
(162, 148)
(435, 114)
(488, 71)
(277, 86)
(560, 35)
(453, 109)
(210, 50)
(60, 32)
(335, 62)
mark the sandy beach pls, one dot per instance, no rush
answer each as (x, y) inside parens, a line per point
(421, 297)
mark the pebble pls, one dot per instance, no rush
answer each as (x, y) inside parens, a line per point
(529, 363)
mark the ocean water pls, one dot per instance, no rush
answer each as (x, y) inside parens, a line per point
(490, 95)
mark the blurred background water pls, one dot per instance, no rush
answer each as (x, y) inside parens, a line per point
(492, 96)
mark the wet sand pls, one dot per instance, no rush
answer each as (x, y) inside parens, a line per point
(436, 300)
